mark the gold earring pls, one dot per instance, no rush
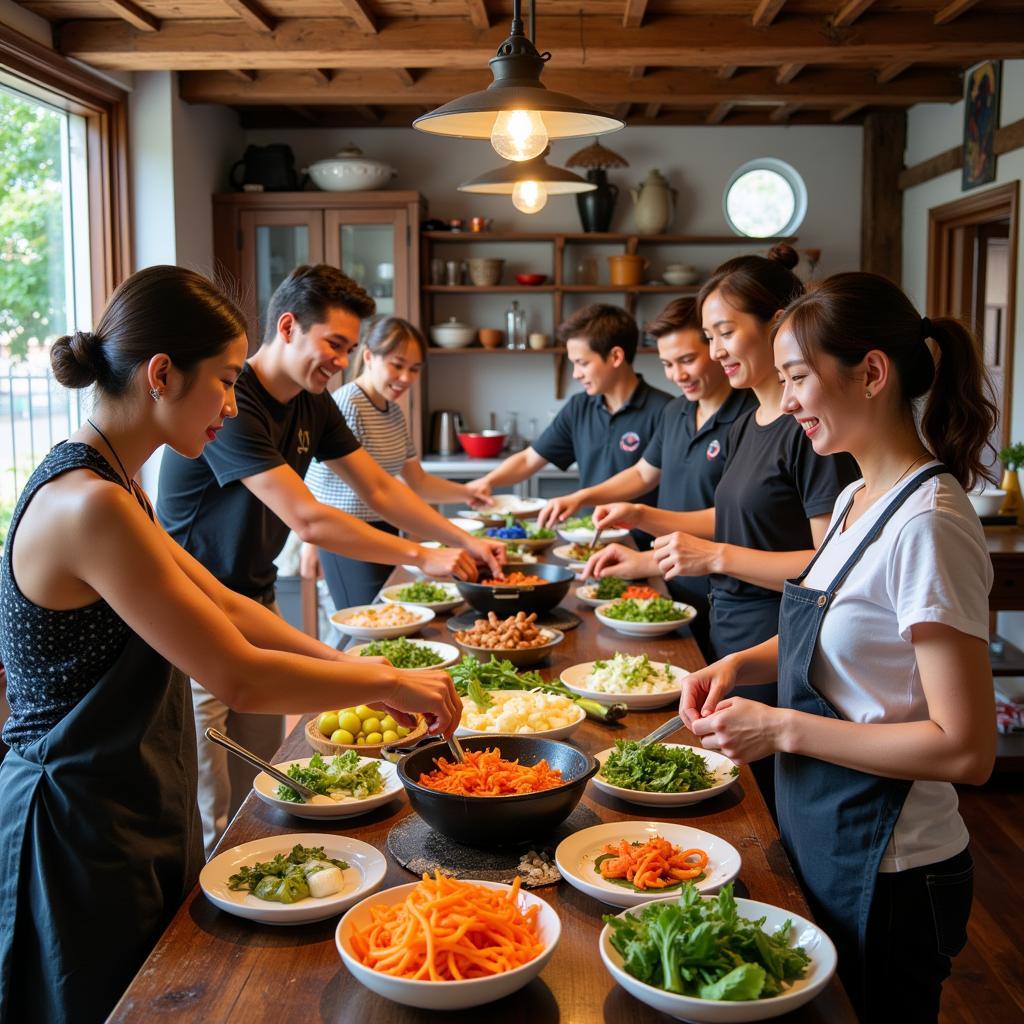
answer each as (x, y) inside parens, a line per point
(867, 394)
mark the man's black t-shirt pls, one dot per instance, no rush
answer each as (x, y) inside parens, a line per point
(773, 483)
(212, 515)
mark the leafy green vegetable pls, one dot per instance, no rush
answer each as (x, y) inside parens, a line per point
(422, 590)
(473, 678)
(402, 653)
(653, 609)
(344, 776)
(579, 523)
(703, 948)
(283, 879)
(610, 588)
(656, 768)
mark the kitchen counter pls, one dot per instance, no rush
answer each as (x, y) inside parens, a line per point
(211, 966)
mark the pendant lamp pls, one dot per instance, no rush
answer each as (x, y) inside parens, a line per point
(529, 183)
(516, 112)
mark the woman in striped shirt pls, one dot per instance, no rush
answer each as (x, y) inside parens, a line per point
(389, 361)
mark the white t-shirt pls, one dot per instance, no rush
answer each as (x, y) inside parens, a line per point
(929, 564)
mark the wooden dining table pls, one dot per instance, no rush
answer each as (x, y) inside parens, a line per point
(211, 966)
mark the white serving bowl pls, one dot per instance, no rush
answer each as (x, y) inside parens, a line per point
(364, 875)
(576, 856)
(446, 995)
(266, 789)
(473, 526)
(340, 622)
(452, 334)
(448, 653)
(987, 503)
(350, 171)
(575, 678)
(687, 615)
(719, 1011)
(390, 596)
(721, 767)
(562, 733)
(586, 536)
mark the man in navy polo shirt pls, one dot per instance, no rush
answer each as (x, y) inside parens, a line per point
(684, 459)
(607, 427)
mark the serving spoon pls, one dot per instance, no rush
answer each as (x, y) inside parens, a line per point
(216, 736)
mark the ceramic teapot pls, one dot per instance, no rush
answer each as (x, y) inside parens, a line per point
(652, 204)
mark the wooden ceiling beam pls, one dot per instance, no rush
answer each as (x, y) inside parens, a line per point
(781, 114)
(254, 16)
(846, 112)
(850, 12)
(185, 44)
(825, 86)
(478, 15)
(890, 71)
(637, 72)
(727, 71)
(360, 13)
(633, 15)
(788, 72)
(720, 112)
(953, 10)
(322, 75)
(134, 15)
(406, 76)
(766, 12)
(242, 74)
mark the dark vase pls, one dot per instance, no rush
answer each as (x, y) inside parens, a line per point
(596, 207)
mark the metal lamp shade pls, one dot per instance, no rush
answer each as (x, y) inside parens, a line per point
(501, 181)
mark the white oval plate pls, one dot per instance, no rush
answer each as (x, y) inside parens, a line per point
(390, 596)
(576, 675)
(718, 1011)
(575, 857)
(467, 523)
(363, 876)
(549, 734)
(340, 623)
(449, 653)
(266, 789)
(586, 592)
(446, 995)
(645, 628)
(586, 536)
(562, 552)
(719, 764)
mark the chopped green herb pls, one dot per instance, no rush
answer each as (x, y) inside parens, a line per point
(344, 776)
(656, 768)
(402, 653)
(428, 593)
(652, 609)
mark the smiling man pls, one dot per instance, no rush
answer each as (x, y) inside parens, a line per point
(606, 428)
(232, 507)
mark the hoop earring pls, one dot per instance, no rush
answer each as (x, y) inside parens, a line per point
(867, 394)
(156, 394)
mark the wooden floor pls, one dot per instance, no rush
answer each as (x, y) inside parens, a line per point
(987, 984)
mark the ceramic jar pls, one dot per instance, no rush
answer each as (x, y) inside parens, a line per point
(626, 269)
(652, 204)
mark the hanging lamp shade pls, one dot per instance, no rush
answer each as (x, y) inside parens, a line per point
(503, 180)
(517, 87)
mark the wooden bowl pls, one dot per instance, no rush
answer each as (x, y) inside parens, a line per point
(491, 337)
(321, 743)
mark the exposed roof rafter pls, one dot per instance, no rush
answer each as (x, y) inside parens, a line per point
(134, 15)
(253, 15)
(953, 10)
(850, 12)
(766, 12)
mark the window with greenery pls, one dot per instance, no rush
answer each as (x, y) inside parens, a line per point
(765, 198)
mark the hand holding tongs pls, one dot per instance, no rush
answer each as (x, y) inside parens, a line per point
(419, 737)
(216, 736)
(666, 729)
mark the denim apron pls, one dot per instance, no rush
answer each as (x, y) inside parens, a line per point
(835, 822)
(99, 839)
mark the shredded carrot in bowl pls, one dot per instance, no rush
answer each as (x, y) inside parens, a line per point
(447, 930)
(487, 773)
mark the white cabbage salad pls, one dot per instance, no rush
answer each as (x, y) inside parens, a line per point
(631, 673)
(520, 711)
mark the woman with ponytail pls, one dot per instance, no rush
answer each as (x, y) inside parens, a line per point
(773, 502)
(98, 820)
(885, 687)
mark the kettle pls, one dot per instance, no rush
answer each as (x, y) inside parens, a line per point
(272, 166)
(445, 427)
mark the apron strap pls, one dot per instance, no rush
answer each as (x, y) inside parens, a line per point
(876, 528)
(828, 536)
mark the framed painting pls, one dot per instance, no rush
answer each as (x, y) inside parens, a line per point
(981, 119)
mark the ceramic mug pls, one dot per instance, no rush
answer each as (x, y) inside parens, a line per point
(626, 269)
(538, 341)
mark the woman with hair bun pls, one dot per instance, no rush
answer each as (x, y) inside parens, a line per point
(388, 362)
(98, 817)
(773, 502)
(885, 687)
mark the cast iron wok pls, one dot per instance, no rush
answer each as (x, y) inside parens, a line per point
(487, 821)
(505, 601)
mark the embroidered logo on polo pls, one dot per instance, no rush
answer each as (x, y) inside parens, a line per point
(630, 441)
(714, 449)
(303, 446)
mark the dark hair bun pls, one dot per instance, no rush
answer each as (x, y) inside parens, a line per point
(784, 254)
(76, 359)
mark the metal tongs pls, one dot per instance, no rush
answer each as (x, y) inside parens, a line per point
(419, 737)
(666, 729)
(216, 736)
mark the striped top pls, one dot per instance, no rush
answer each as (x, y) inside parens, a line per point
(382, 432)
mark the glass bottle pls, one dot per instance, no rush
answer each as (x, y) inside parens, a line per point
(515, 326)
(515, 441)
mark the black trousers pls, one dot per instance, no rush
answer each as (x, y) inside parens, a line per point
(918, 923)
(352, 581)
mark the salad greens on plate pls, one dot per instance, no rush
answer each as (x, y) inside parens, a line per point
(343, 776)
(701, 947)
(288, 879)
(653, 609)
(402, 653)
(422, 590)
(656, 768)
(610, 588)
(579, 523)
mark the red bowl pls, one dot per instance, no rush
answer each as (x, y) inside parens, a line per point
(483, 446)
(531, 279)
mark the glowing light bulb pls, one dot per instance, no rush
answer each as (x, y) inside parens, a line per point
(529, 196)
(519, 135)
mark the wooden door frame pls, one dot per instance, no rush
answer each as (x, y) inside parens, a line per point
(944, 222)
